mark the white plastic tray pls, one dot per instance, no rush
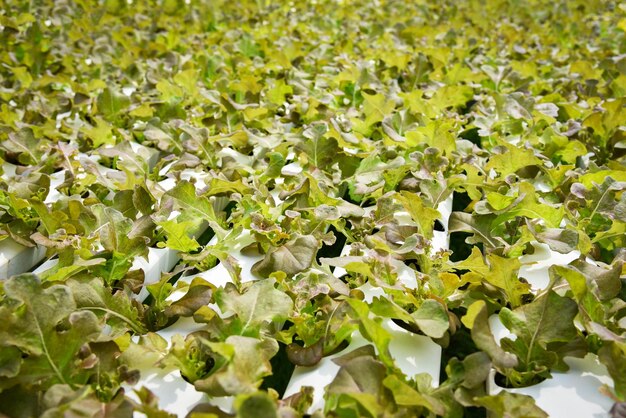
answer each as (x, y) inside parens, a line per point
(412, 353)
(16, 258)
(575, 393)
(176, 395)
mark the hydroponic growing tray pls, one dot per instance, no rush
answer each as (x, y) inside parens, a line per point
(312, 209)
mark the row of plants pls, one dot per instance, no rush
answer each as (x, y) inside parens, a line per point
(289, 131)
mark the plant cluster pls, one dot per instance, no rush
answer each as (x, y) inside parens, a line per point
(289, 130)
